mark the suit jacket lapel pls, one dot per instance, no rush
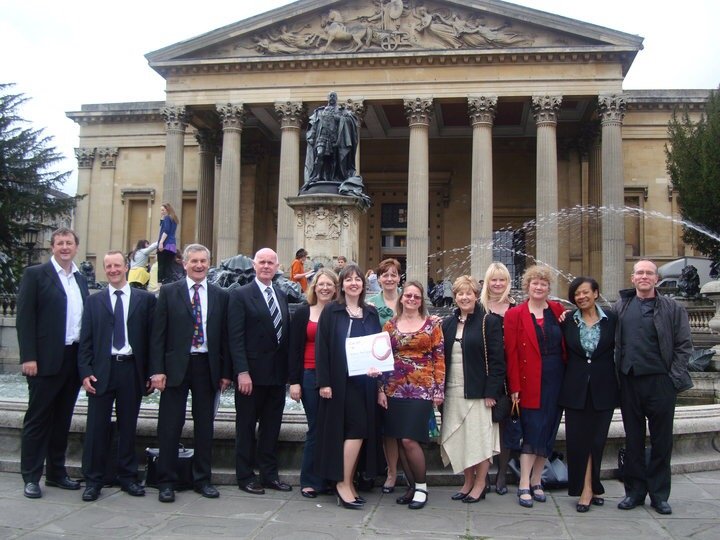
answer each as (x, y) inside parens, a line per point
(529, 327)
(50, 271)
(184, 293)
(211, 295)
(105, 301)
(134, 300)
(262, 307)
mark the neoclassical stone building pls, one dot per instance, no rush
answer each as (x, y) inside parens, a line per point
(488, 131)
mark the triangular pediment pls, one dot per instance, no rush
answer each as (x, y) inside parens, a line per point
(317, 28)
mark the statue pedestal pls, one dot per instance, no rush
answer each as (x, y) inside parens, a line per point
(327, 225)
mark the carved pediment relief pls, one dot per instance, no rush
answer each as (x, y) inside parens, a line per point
(379, 26)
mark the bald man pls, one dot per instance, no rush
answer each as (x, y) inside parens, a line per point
(258, 328)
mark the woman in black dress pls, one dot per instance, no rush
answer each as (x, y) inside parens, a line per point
(589, 391)
(347, 413)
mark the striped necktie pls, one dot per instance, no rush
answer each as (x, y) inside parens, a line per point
(274, 313)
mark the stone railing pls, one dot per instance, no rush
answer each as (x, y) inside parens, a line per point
(8, 304)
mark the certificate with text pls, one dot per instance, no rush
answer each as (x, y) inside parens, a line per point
(366, 352)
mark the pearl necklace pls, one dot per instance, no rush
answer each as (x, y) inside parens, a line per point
(354, 314)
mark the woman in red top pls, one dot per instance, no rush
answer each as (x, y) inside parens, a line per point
(323, 289)
(535, 354)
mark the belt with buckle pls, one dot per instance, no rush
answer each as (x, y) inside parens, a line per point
(122, 357)
(198, 355)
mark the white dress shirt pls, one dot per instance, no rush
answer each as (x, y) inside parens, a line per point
(73, 317)
(127, 349)
(202, 291)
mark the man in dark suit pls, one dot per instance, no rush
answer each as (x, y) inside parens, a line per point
(49, 313)
(189, 353)
(652, 349)
(258, 328)
(113, 363)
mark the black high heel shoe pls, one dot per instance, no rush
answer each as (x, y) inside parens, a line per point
(407, 497)
(352, 505)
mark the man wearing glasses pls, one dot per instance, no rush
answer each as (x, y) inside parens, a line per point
(652, 349)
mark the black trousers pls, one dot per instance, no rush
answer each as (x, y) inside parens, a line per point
(171, 419)
(263, 407)
(47, 420)
(165, 260)
(122, 392)
(586, 433)
(652, 397)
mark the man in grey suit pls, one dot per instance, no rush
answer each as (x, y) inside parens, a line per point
(49, 313)
(113, 363)
(189, 354)
(258, 328)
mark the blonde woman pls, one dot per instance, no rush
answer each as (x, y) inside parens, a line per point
(475, 376)
(323, 289)
(495, 298)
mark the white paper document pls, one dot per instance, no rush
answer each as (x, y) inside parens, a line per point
(366, 352)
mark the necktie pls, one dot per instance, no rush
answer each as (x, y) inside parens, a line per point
(198, 336)
(274, 313)
(119, 322)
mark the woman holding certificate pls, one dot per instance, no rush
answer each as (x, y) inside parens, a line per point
(347, 410)
(416, 384)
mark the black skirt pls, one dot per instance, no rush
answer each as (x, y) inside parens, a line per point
(408, 419)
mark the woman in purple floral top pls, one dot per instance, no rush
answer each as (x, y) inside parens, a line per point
(416, 384)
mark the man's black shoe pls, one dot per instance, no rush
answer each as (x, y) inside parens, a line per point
(277, 485)
(32, 490)
(91, 493)
(134, 489)
(662, 507)
(253, 487)
(166, 495)
(208, 490)
(63, 483)
(628, 503)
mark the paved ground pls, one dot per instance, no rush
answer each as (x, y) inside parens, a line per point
(695, 500)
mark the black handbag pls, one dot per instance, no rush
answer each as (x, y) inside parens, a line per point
(184, 468)
(501, 410)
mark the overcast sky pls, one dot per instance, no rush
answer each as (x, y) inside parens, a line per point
(64, 54)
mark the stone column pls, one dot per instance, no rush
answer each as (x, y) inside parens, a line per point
(228, 217)
(291, 115)
(545, 109)
(176, 120)
(216, 200)
(85, 157)
(612, 111)
(418, 112)
(482, 113)
(357, 106)
(206, 187)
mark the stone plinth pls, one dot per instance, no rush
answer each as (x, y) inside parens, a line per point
(327, 225)
(712, 291)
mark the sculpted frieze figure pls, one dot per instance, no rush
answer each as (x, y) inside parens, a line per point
(392, 24)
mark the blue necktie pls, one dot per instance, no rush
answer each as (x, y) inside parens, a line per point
(119, 322)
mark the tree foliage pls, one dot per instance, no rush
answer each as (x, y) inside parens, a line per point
(27, 180)
(693, 162)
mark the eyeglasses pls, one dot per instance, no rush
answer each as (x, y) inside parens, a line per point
(412, 296)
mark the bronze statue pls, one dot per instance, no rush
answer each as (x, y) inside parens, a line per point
(332, 141)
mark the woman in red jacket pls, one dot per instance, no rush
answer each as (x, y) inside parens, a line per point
(535, 355)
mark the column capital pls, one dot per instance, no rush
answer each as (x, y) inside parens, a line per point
(176, 118)
(611, 108)
(482, 109)
(545, 109)
(291, 113)
(85, 157)
(357, 107)
(107, 156)
(232, 115)
(418, 110)
(207, 140)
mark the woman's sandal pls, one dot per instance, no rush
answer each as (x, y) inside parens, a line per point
(527, 503)
(539, 497)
